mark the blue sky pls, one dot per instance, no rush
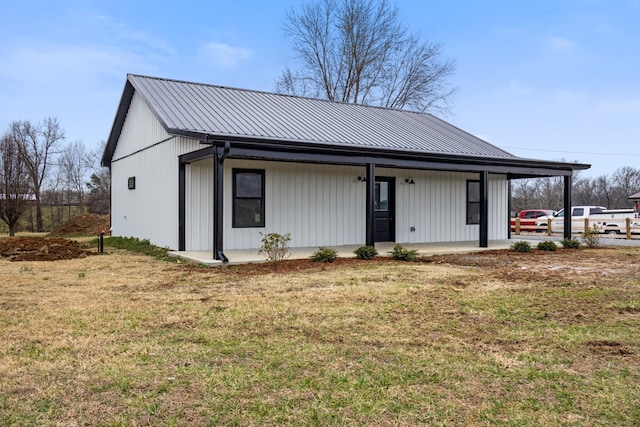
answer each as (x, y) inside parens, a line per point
(544, 79)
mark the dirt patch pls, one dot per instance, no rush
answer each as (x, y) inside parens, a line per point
(41, 249)
(561, 266)
(292, 266)
(83, 225)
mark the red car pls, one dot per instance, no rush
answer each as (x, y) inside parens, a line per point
(528, 218)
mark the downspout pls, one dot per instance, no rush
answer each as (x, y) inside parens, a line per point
(218, 225)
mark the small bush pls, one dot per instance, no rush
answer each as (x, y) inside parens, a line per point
(324, 254)
(400, 253)
(547, 246)
(570, 243)
(275, 247)
(590, 237)
(365, 252)
(521, 246)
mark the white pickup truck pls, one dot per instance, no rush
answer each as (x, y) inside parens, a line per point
(604, 220)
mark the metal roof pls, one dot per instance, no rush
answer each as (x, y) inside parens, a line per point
(208, 111)
(223, 111)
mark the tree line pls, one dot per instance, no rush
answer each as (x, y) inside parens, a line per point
(611, 191)
(39, 169)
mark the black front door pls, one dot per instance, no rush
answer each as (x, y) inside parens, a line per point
(384, 206)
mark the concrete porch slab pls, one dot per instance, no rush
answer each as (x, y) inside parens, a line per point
(251, 255)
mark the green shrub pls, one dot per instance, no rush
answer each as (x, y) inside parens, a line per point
(136, 245)
(275, 247)
(365, 252)
(324, 254)
(521, 246)
(547, 246)
(399, 253)
(590, 237)
(570, 243)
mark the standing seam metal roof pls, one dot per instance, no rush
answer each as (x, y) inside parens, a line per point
(222, 111)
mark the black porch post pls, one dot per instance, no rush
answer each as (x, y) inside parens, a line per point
(509, 209)
(484, 209)
(567, 206)
(371, 189)
(181, 206)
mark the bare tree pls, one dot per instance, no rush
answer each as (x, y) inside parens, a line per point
(551, 192)
(626, 181)
(36, 146)
(603, 191)
(524, 194)
(612, 191)
(99, 186)
(356, 51)
(75, 161)
(98, 198)
(14, 184)
(583, 191)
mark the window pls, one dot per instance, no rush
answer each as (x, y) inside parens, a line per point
(381, 201)
(248, 198)
(473, 202)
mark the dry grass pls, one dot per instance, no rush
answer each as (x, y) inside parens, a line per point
(124, 339)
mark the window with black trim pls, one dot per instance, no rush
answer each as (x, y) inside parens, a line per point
(473, 202)
(248, 198)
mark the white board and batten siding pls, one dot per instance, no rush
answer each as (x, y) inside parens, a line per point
(436, 206)
(324, 205)
(199, 205)
(320, 205)
(150, 211)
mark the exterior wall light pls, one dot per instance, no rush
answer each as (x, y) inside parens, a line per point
(409, 180)
(362, 178)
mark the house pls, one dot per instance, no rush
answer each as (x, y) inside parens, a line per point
(635, 198)
(202, 167)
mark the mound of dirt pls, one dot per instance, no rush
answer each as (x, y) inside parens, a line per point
(83, 225)
(41, 249)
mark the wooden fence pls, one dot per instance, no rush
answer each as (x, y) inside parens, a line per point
(627, 228)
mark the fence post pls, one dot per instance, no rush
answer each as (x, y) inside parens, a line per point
(586, 226)
(101, 243)
(548, 226)
(628, 221)
(517, 226)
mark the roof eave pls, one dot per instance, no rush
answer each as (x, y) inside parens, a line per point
(522, 167)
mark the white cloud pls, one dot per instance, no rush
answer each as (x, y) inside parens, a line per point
(222, 55)
(134, 38)
(560, 44)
